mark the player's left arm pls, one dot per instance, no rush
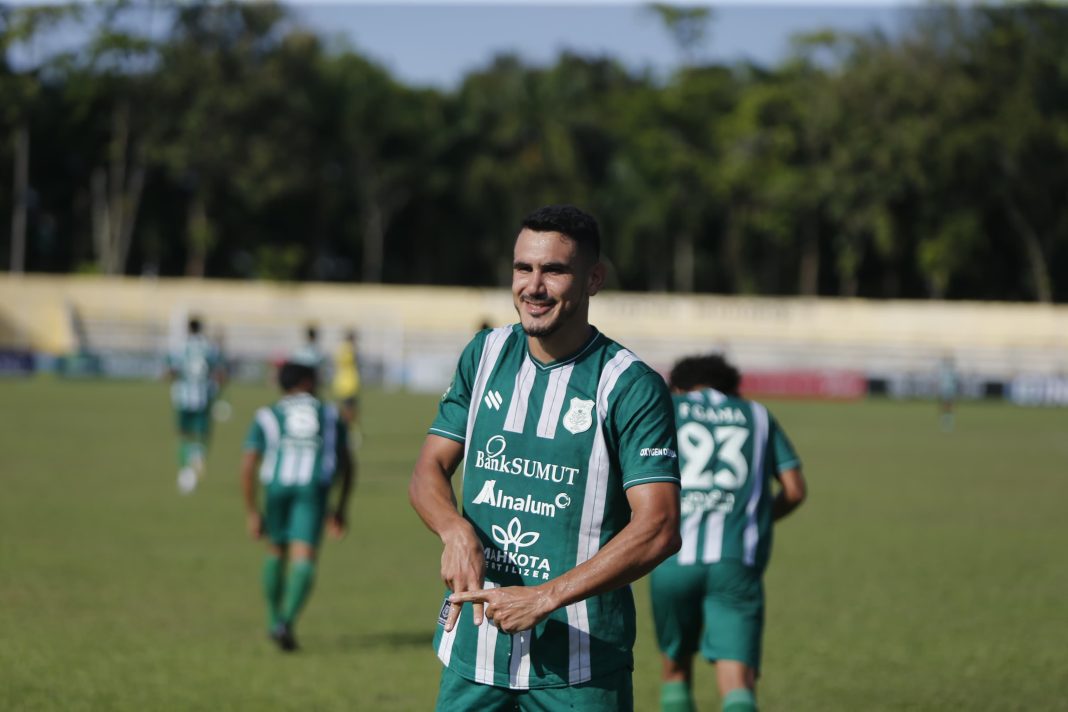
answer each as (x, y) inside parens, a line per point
(220, 369)
(793, 489)
(346, 477)
(792, 493)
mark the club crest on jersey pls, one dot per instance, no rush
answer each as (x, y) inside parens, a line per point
(579, 417)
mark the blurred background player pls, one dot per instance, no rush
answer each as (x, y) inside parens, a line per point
(299, 448)
(346, 385)
(948, 387)
(196, 374)
(710, 595)
(221, 410)
(310, 353)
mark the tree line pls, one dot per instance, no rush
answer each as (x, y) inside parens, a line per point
(930, 163)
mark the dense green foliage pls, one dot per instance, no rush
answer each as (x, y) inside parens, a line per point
(931, 163)
(924, 573)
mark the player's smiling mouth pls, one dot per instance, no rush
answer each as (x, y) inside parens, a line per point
(538, 308)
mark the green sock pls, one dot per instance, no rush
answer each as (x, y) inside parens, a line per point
(195, 455)
(675, 697)
(272, 588)
(739, 700)
(298, 587)
(183, 453)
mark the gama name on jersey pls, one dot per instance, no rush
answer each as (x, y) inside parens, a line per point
(723, 415)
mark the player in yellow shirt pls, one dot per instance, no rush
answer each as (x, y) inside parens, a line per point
(347, 379)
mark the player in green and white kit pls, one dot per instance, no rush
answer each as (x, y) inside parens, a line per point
(196, 374)
(948, 382)
(310, 354)
(570, 491)
(299, 448)
(710, 596)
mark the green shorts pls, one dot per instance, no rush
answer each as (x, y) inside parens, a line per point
(292, 514)
(715, 608)
(612, 693)
(193, 422)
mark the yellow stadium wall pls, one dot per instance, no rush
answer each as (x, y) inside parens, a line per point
(758, 332)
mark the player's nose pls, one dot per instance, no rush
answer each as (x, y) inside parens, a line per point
(535, 286)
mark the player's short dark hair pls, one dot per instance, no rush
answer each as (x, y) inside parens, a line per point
(291, 375)
(710, 371)
(194, 325)
(567, 220)
(312, 332)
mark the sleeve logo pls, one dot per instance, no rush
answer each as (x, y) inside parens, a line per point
(579, 417)
(443, 616)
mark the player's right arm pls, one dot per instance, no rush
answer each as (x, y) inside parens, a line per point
(255, 444)
(170, 368)
(430, 492)
(250, 463)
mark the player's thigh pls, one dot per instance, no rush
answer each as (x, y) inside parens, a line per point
(678, 594)
(193, 423)
(183, 420)
(278, 506)
(734, 614)
(456, 692)
(611, 693)
(307, 516)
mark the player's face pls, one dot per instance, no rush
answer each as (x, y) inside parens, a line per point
(552, 283)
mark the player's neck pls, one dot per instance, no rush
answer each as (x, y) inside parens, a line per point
(558, 346)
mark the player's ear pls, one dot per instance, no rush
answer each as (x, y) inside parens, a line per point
(595, 279)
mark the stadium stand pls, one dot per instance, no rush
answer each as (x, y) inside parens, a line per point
(410, 335)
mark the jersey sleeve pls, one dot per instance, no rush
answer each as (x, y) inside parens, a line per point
(256, 440)
(451, 421)
(643, 423)
(785, 456)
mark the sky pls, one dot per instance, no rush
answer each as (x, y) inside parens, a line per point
(436, 43)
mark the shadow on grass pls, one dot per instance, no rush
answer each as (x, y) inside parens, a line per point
(383, 640)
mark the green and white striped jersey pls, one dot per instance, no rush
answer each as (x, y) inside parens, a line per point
(196, 362)
(550, 450)
(300, 439)
(730, 450)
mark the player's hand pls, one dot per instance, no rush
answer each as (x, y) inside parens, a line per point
(512, 608)
(254, 524)
(336, 526)
(462, 563)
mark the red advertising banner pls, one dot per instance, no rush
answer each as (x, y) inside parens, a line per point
(834, 385)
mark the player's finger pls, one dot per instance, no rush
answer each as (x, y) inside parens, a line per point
(474, 595)
(476, 598)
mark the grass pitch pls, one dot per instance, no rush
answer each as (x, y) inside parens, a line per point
(927, 571)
